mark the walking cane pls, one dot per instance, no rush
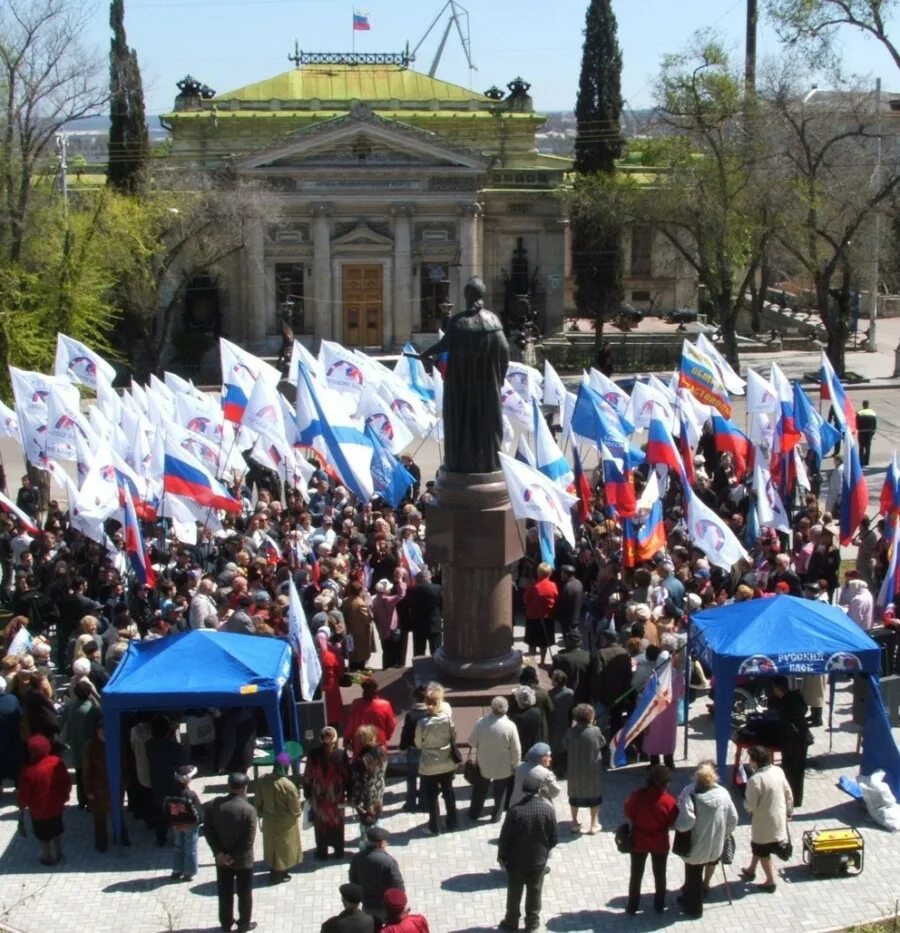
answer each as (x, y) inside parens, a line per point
(727, 885)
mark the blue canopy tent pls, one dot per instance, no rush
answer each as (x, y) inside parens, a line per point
(195, 669)
(792, 637)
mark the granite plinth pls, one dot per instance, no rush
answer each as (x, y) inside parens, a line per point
(472, 532)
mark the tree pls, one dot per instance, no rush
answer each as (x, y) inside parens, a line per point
(815, 22)
(129, 141)
(47, 80)
(829, 149)
(713, 195)
(598, 144)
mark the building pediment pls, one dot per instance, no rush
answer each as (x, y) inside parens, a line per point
(362, 235)
(361, 140)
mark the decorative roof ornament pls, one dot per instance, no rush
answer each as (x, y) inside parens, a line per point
(404, 58)
(494, 93)
(189, 86)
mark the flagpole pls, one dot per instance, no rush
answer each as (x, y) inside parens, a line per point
(687, 682)
(353, 31)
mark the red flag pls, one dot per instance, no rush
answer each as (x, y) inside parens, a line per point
(582, 488)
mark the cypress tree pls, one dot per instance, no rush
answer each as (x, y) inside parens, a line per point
(598, 143)
(129, 144)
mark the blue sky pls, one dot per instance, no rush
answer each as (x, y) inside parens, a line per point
(229, 43)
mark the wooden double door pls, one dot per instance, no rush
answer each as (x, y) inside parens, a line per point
(362, 293)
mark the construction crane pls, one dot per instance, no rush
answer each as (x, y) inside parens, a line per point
(458, 15)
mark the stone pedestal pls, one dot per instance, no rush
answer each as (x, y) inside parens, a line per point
(472, 533)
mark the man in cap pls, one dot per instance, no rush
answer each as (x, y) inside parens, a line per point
(567, 611)
(375, 870)
(399, 917)
(351, 919)
(230, 828)
(527, 836)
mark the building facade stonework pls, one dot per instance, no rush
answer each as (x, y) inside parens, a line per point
(393, 188)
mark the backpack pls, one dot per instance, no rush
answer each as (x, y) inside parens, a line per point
(182, 809)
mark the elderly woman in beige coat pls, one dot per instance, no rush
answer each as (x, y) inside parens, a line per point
(278, 804)
(770, 803)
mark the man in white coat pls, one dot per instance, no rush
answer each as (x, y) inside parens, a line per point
(495, 742)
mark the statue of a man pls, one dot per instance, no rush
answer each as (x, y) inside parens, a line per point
(478, 355)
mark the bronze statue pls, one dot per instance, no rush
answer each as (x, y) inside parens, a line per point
(478, 355)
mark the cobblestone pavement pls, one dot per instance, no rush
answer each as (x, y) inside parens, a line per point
(454, 879)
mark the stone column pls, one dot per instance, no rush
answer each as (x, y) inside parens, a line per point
(254, 247)
(401, 316)
(472, 533)
(323, 311)
(468, 243)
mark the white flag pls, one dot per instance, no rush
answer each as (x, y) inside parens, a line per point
(554, 389)
(761, 397)
(533, 495)
(709, 533)
(514, 406)
(79, 363)
(769, 509)
(730, 379)
(301, 641)
(526, 380)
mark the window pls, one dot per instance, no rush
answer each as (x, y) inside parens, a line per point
(641, 251)
(640, 296)
(435, 290)
(289, 296)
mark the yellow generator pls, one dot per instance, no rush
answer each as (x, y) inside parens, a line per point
(834, 851)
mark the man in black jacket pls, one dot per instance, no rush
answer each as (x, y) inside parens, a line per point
(351, 919)
(424, 607)
(574, 662)
(230, 829)
(527, 836)
(374, 870)
(567, 611)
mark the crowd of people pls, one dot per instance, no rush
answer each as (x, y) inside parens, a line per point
(597, 628)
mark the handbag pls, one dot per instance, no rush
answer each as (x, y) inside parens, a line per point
(785, 848)
(728, 850)
(455, 753)
(623, 838)
(471, 771)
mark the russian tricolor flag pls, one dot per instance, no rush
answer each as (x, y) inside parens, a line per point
(730, 439)
(651, 538)
(854, 492)
(617, 482)
(361, 21)
(661, 449)
(134, 545)
(889, 501)
(240, 370)
(830, 388)
(890, 586)
(582, 488)
(185, 476)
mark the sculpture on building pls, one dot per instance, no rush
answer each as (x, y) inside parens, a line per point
(477, 357)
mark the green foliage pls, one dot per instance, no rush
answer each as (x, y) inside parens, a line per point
(596, 254)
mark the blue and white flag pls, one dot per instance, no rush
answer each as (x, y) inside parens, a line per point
(549, 459)
(654, 700)
(301, 641)
(336, 439)
(411, 372)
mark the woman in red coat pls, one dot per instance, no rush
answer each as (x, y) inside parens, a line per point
(332, 668)
(652, 811)
(370, 710)
(44, 788)
(540, 598)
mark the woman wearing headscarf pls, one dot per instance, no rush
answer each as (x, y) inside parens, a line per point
(325, 783)
(278, 803)
(537, 762)
(44, 788)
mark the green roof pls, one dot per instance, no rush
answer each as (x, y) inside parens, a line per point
(322, 115)
(353, 82)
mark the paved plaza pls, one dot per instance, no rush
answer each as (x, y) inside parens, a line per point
(454, 879)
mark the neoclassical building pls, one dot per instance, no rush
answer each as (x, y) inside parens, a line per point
(393, 188)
